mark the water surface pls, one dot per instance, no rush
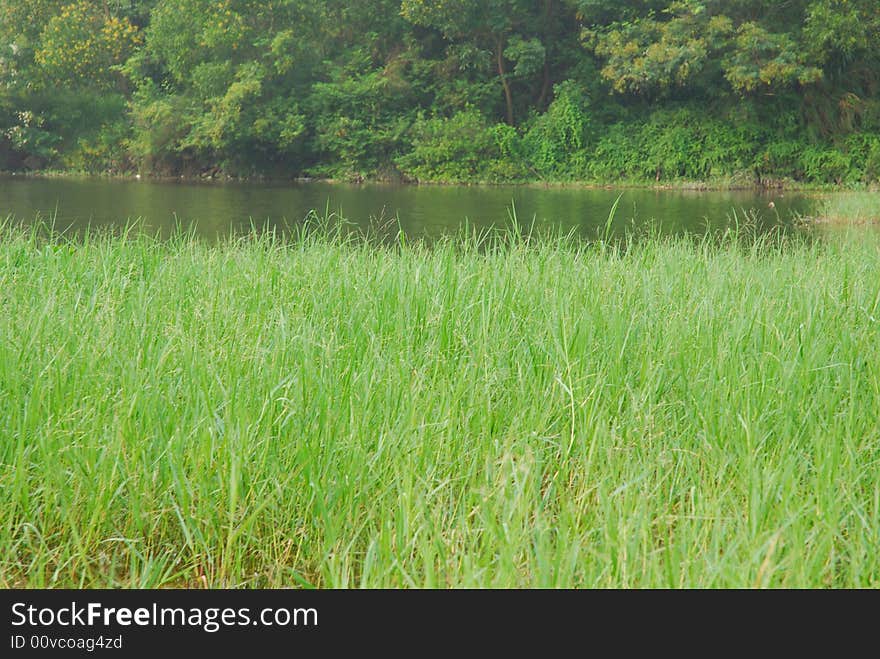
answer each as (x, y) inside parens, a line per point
(421, 211)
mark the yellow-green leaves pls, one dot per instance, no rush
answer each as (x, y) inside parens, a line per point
(691, 46)
(762, 60)
(82, 44)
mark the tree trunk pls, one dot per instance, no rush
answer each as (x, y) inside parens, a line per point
(546, 84)
(508, 95)
(545, 87)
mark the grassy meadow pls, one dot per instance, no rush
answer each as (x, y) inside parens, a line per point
(849, 208)
(325, 412)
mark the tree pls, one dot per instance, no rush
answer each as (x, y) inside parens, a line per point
(507, 28)
(83, 44)
(384, 87)
(699, 44)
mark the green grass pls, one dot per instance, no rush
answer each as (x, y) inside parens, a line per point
(328, 413)
(849, 208)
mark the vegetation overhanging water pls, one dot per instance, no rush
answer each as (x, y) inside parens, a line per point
(757, 93)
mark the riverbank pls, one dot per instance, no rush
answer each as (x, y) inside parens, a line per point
(516, 413)
(848, 209)
(726, 184)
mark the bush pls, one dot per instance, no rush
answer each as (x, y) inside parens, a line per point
(360, 123)
(461, 148)
(668, 145)
(555, 142)
(157, 130)
(781, 159)
(616, 155)
(103, 151)
(872, 163)
(29, 138)
(671, 144)
(823, 164)
(864, 151)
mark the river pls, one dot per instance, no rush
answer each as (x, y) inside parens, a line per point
(214, 209)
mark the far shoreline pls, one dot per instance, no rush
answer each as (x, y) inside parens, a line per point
(772, 186)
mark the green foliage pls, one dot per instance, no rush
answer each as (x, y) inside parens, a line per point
(461, 18)
(765, 61)
(461, 148)
(871, 158)
(6, 123)
(555, 142)
(671, 145)
(82, 45)
(826, 164)
(650, 54)
(528, 56)
(231, 68)
(94, 129)
(27, 134)
(781, 159)
(452, 90)
(842, 31)
(158, 131)
(104, 150)
(695, 44)
(358, 124)
(511, 30)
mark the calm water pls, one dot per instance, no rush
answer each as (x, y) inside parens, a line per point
(427, 211)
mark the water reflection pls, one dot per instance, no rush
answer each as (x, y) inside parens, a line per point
(420, 211)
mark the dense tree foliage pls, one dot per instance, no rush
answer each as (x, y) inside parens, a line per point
(447, 90)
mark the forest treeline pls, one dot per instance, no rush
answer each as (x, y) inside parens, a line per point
(745, 91)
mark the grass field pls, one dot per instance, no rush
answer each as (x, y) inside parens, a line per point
(851, 208)
(329, 413)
